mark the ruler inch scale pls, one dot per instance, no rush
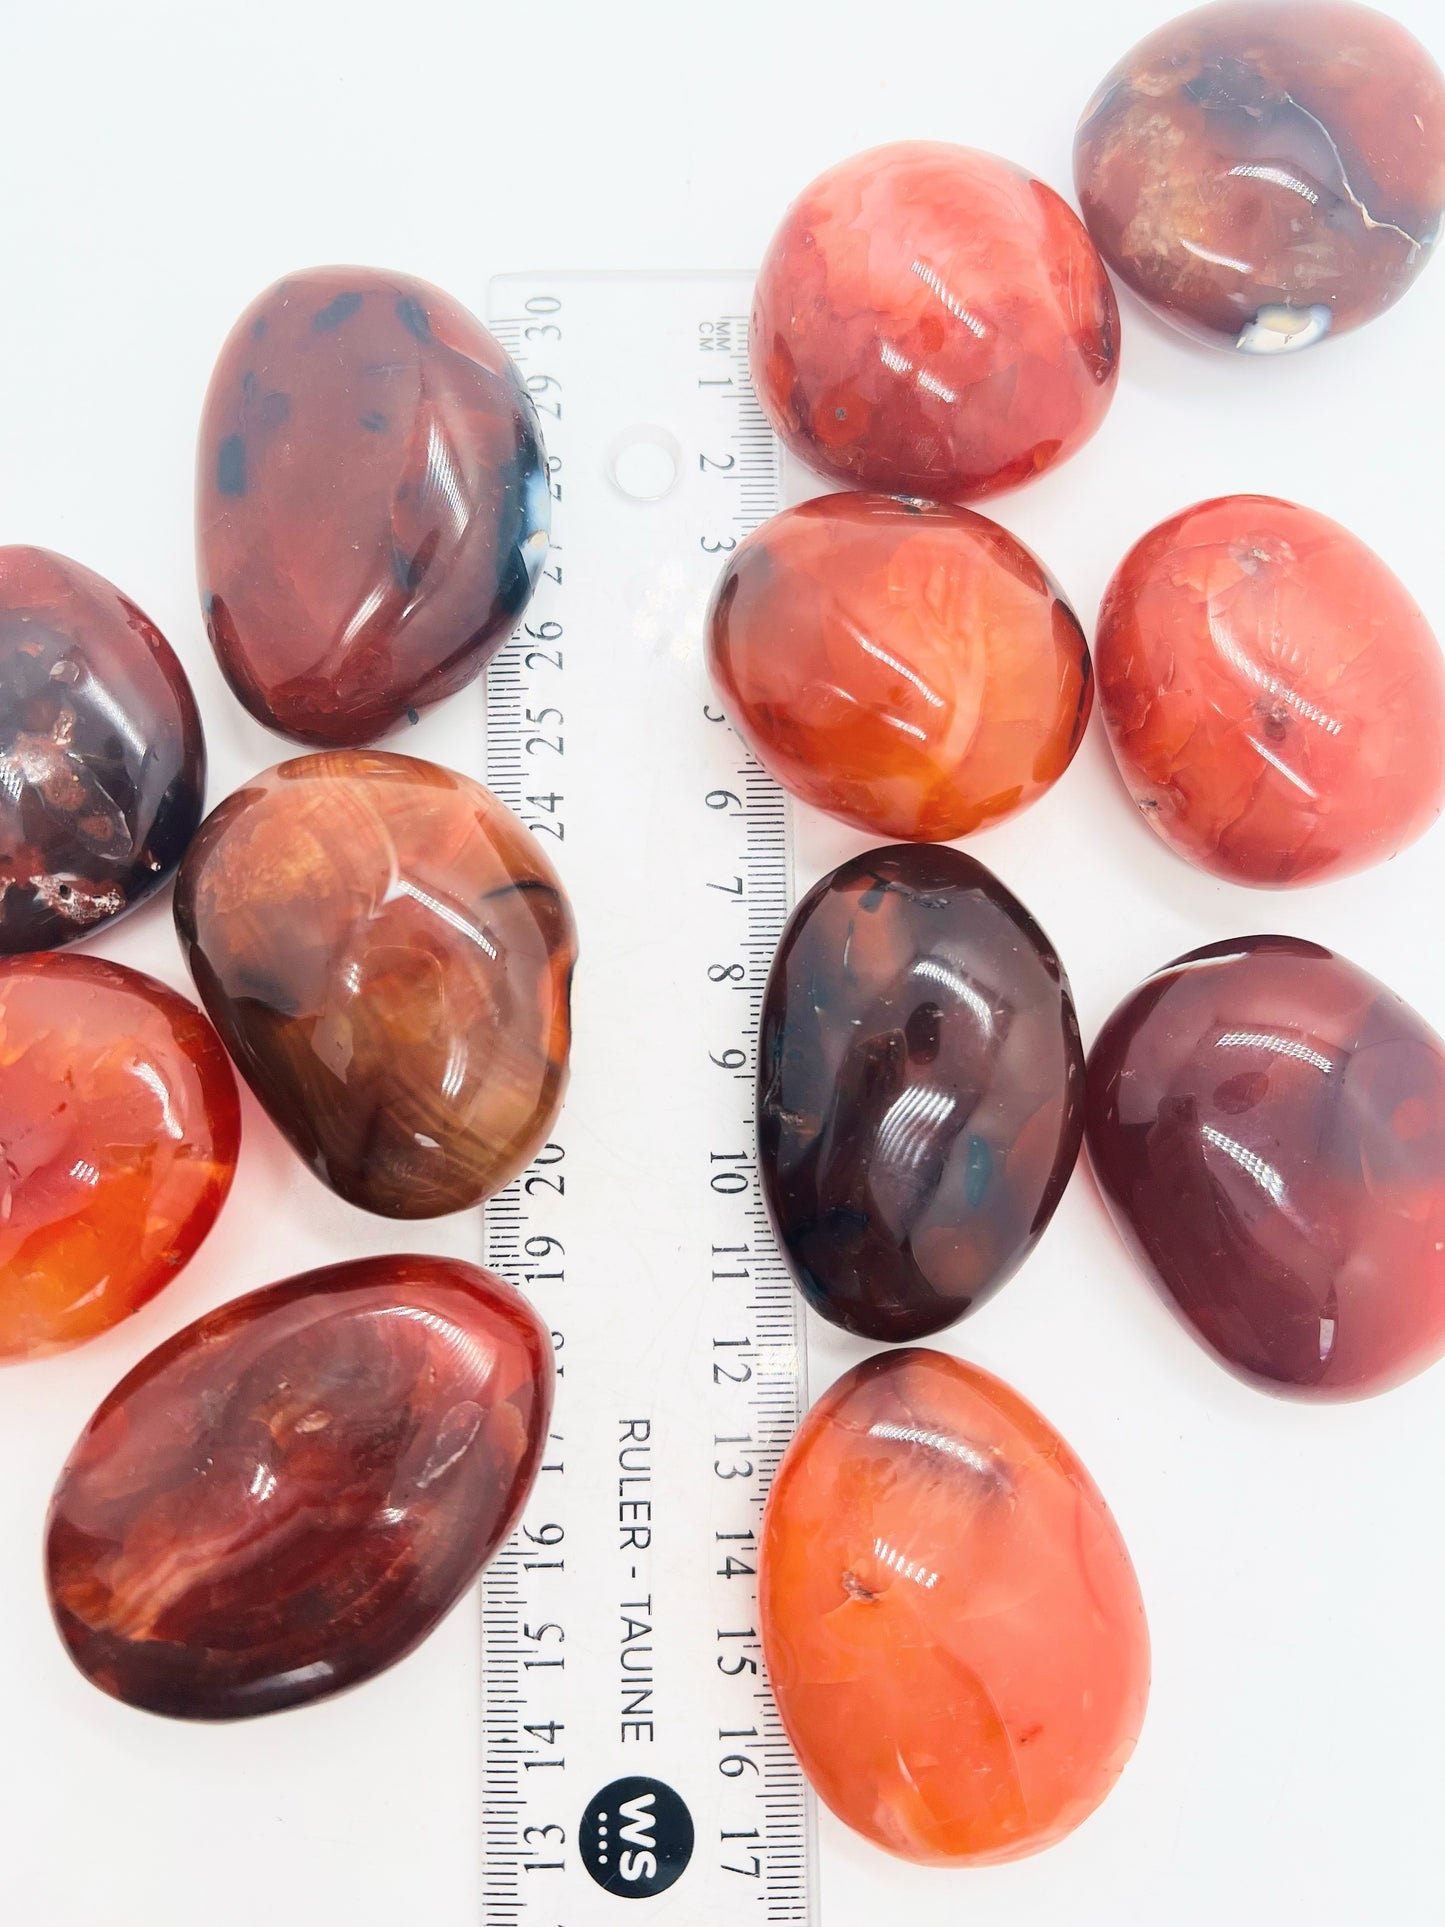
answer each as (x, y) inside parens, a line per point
(632, 1748)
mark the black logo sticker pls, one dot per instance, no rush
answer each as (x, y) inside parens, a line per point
(636, 1837)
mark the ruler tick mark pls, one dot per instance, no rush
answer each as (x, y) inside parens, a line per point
(630, 1603)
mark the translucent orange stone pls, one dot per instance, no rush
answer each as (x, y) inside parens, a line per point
(907, 666)
(119, 1128)
(950, 1619)
(1273, 694)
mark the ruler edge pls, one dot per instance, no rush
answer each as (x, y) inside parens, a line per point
(495, 318)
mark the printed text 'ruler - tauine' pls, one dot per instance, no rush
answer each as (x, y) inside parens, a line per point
(633, 1750)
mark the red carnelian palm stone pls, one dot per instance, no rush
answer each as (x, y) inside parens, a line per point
(930, 320)
(119, 1130)
(371, 502)
(287, 1496)
(1267, 172)
(1267, 1125)
(1273, 694)
(907, 666)
(102, 760)
(951, 1623)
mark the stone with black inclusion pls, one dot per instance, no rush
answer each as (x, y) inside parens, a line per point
(372, 502)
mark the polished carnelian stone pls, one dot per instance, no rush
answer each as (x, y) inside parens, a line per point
(287, 1496)
(951, 1624)
(102, 760)
(1275, 698)
(920, 1089)
(933, 321)
(907, 666)
(119, 1128)
(1267, 172)
(1267, 1125)
(371, 501)
(388, 956)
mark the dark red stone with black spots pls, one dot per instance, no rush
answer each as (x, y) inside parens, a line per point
(372, 502)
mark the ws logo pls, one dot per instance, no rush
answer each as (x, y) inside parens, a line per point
(636, 1837)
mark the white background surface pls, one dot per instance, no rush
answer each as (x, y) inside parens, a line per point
(162, 163)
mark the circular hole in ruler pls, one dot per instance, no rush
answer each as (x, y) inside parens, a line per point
(644, 463)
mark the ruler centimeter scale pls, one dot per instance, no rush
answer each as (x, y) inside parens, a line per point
(633, 1751)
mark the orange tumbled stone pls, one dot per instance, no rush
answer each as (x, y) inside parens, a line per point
(1273, 694)
(119, 1128)
(907, 666)
(950, 1619)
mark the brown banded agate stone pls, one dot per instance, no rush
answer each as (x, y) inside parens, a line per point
(287, 1496)
(388, 957)
(372, 502)
(950, 1619)
(1267, 1125)
(920, 1089)
(102, 760)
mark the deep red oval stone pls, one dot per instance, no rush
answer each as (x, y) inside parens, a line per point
(930, 320)
(371, 502)
(1273, 694)
(920, 1089)
(119, 1130)
(1267, 1125)
(102, 760)
(1267, 172)
(287, 1496)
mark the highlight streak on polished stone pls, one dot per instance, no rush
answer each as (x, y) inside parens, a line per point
(102, 760)
(372, 502)
(387, 954)
(119, 1130)
(1273, 694)
(920, 1090)
(909, 667)
(1267, 172)
(951, 1623)
(933, 321)
(1267, 1125)
(287, 1496)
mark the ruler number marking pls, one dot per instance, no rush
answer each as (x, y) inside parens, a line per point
(748, 1357)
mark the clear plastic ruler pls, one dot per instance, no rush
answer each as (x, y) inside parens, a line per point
(633, 1750)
